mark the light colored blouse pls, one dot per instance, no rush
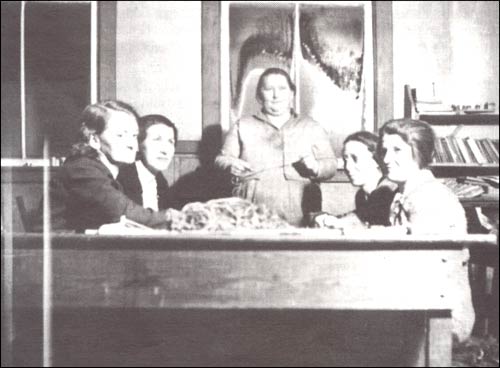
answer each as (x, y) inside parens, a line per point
(148, 184)
(426, 206)
(271, 152)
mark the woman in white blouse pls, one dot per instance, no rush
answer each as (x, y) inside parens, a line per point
(423, 205)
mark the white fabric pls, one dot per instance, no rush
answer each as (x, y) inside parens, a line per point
(148, 184)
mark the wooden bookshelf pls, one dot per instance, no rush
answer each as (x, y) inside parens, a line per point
(453, 169)
(464, 118)
(484, 201)
(460, 119)
(459, 169)
(463, 165)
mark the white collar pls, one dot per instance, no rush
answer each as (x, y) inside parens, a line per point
(144, 174)
(148, 185)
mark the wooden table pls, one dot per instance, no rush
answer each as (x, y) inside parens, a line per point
(306, 269)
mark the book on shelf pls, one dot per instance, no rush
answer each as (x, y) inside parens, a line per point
(472, 187)
(456, 150)
(476, 151)
(464, 151)
(464, 190)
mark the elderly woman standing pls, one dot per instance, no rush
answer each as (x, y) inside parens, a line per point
(275, 155)
(423, 205)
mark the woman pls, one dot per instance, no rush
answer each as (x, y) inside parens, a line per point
(423, 205)
(373, 199)
(276, 156)
(143, 181)
(86, 193)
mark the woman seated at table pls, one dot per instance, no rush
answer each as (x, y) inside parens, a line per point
(143, 181)
(86, 194)
(423, 205)
(364, 169)
(276, 156)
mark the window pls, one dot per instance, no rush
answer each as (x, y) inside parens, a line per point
(48, 74)
(158, 61)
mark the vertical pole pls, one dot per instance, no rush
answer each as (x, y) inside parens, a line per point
(93, 52)
(47, 262)
(23, 82)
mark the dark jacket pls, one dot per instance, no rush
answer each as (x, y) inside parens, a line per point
(129, 179)
(374, 209)
(84, 195)
(371, 210)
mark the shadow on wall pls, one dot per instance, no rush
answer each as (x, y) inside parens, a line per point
(206, 182)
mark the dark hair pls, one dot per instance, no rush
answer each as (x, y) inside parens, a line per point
(370, 140)
(418, 134)
(148, 120)
(93, 120)
(94, 117)
(267, 72)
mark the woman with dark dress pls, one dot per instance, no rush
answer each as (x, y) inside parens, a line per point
(373, 199)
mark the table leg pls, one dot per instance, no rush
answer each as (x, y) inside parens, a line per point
(439, 340)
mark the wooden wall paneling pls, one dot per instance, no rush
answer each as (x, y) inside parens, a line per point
(184, 164)
(210, 51)
(384, 70)
(26, 182)
(106, 18)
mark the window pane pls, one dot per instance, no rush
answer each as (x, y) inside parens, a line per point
(11, 101)
(332, 50)
(57, 73)
(261, 36)
(158, 61)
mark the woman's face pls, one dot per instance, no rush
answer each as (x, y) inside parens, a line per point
(359, 163)
(158, 147)
(398, 158)
(118, 141)
(276, 95)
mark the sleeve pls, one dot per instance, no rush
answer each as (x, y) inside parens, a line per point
(131, 185)
(351, 220)
(230, 150)
(89, 185)
(437, 211)
(324, 154)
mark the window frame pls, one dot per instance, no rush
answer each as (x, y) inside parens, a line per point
(211, 63)
(23, 160)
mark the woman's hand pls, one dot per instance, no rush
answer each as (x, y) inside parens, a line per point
(307, 167)
(326, 220)
(240, 168)
(311, 165)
